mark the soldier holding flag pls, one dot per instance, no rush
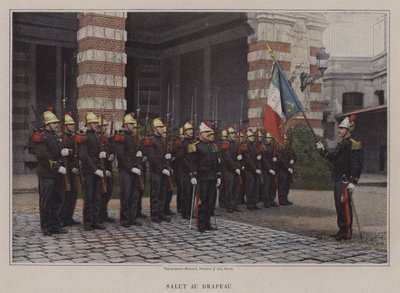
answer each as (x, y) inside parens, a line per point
(347, 165)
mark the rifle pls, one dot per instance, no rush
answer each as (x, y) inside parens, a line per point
(103, 184)
(259, 153)
(167, 163)
(139, 160)
(67, 181)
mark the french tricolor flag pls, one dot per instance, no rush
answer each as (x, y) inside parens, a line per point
(282, 104)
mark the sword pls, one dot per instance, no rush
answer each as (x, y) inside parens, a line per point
(353, 206)
(191, 209)
(215, 218)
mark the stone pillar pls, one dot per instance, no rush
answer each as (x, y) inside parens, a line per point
(101, 61)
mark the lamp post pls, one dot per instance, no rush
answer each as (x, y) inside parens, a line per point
(322, 64)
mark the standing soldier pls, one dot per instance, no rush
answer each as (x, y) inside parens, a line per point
(182, 175)
(252, 172)
(159, 171)
(286, 160)
(224, 146)
(231, 170)
(106, 196)
(205, 167)
(269, 172)
(129, 165)
(92, 158)
(50, 174)
(68, 142)
(347, 163)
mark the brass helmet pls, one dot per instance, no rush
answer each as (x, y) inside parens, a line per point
(250, 132)
(91, 118)
(187, 126)
(157, 123)
(102, 121)
(231, 130)
(224, 133)
(68, 120)
(49, 117)
(129, 119)
(269, 135)
(181, 131)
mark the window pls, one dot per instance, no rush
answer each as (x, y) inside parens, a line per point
(381, 97)
(352, 101)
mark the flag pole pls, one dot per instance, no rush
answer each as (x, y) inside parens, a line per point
(272, 53)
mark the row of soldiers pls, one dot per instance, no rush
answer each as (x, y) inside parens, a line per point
(240, 167)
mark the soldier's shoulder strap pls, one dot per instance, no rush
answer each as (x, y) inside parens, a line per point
(80, 137)
(192, 147)
(38, 137)
(355, 144)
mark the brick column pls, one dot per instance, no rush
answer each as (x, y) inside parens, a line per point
(260, 66)
(101, 61)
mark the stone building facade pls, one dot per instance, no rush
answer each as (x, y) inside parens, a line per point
(183, 63)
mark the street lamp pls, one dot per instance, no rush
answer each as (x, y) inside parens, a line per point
(322, 64)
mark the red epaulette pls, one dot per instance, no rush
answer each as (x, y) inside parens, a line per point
(148, 141)
(119, 137)
(38, 137)
(80, 137)
(179, 144)
(224, 146)
(243, 148)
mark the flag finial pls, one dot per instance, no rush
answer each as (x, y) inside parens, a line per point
(272, 53)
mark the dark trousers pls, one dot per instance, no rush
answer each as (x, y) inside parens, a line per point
(186, 193)
(265, 196)
(283, 185)
(51, 195)
(67, 211)
(139, 202)
(206, 191)
(158, 195)
(91, 200)
(272, 190)
(231, 190)
(128, 197)
(340, 208)
(105, 198)
(252, 188)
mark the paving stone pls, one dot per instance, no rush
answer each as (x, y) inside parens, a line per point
(233, 243)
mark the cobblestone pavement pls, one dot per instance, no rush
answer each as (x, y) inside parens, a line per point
(232, 243)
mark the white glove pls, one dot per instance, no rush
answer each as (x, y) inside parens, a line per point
(239, 157)
(219, 161)
(99, 173)
(136, 171)
(193, 181)
(243, 168)
(272, 172)
(258, 157)
(218, 182)
(64, 152)
(258, 172)
(274, 159)
(102, 155)
(351, 187)
(74, 170)
(290, 170)
(139, 154)
(108, 173)
(237, 171)
(111, 157)
(168, 156)
(166, 172)
(62, 170)
(291, 162)
(144, 159)
(320, 146)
